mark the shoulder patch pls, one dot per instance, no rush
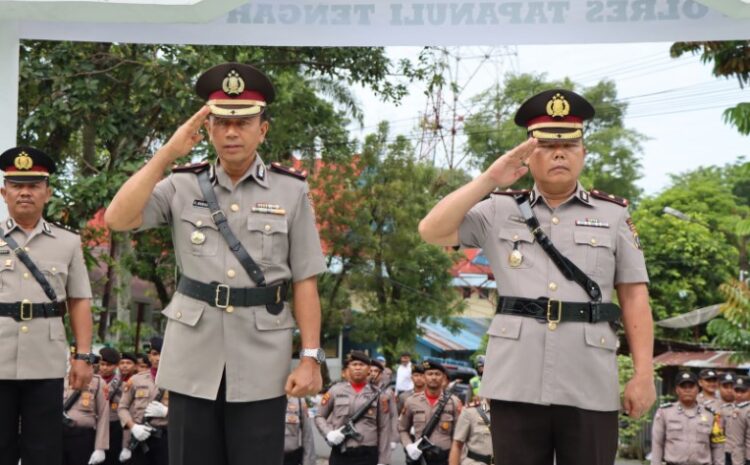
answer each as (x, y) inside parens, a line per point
(194, 168)
(289, 171)
(510, 192)
(666, 405)
(597, 194)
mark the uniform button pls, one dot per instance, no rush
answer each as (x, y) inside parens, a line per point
(199, 223)
(552, 286)
(8, 262)
(278, 322)
(502, 330)
(24, 329)
(25, 276)
(602, 341)
(515, 237)
(231, 273)
(54, 269)
(555, 220)
(593, 241)
(234, 207)
(26, 249)
(230, 309)
(267, 227)
(178, 315)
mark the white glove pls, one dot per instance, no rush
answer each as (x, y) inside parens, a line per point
(141, 432)
(125, 455)
(156, 410)
(335, 437)
(97, 457)
(412, 450)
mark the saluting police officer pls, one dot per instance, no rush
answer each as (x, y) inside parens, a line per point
(299, 443)
(708, 381)
(472, 431)
(42, 270)
(86, 431)
(113, 386)
(737, 445)
(558, 253)
(418, 412)
(229, 332)
(681, 434)
(418, 383)
(341, 402)
(143, 411)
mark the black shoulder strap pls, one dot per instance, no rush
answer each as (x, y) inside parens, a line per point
(567, 267)
(26, 260)
(252, 268)
(433, 421)
(483, 414)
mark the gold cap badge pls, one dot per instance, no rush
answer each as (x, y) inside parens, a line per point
(23, 161)
(558, 106)
(233, 84)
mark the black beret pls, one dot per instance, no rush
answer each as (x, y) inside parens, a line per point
(26, 164)
(110, 355)
(433, 365)
(156, 343)
(417, 368)
(377, 363)
(554, 114)
(128, 356)
(358, 356)
(235, 90)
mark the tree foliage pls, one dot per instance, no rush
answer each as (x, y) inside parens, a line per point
(612, 162)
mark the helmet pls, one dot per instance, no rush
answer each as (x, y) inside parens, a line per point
(479, 361)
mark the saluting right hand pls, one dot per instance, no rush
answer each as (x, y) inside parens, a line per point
(186, 136)
(510, 167)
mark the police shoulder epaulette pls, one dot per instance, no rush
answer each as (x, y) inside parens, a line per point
(510, 192)
(743, 404)
(289, 171)
(666, 405)
(709, 408)
(621, 201)
(194, 168)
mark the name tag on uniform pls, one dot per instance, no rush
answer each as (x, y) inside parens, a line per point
(197, 203)
(517, 219)
(139, 393)
(592, 223)
(270, 208)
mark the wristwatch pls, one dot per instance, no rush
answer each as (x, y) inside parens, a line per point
(319, 355)
(88, 358)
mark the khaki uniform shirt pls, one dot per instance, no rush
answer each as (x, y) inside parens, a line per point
(575, 363)
(138, 392)
(90, 410)
(737, 433)
(114, 400)
(418, 411)
(201, 341)
(299, 430)
(708, 401)
(401, 400)
(340, 403)
(683, 436)
(472, 430)
(37, 349)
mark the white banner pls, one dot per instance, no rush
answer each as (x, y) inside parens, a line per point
(380, 23)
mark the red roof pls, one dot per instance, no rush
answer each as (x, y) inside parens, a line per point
(465, 265)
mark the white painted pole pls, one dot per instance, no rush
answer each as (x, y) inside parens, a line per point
(9, 44)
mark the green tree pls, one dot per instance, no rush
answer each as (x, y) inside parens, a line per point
(612, 161)
(730, 59)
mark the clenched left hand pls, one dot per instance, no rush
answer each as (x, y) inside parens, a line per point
(305, 380)
(80, 374)
(639, 396)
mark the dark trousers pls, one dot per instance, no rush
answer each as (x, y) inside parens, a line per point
(115, 443)
(355, 456)
(31, 421)
(530, 434)
(218, 432)
(158, 450)
(293, 457)
(78, 445)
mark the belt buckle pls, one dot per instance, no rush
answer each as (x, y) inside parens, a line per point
(25, 303)
(221, 218)
(552, 322)
(217, 298)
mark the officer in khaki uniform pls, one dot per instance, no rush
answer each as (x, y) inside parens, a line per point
(417, 379)
(379, 378)
(682, 431)
(737, 445)
(86, 436)
(708, 381)
(143, 412)
(418, 411)
(227, 350)
(33, 346)
(472, 432)
(554, 317)
(344, 399)
(114, 384)
(299, 443)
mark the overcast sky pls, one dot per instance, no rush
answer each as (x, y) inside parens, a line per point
(677, 103)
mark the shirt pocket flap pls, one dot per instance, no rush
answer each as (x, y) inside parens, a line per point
(184, 309)
(265, 321)
(600, 335)
(674, 425)
(516, 234)
(592, 238)
(50, 267)
(267, 225)
(198, 219)
(506, 326)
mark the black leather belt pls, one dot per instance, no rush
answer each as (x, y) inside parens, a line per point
(555, 311)
(24, 311)
(479, 457)
(222, 295)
